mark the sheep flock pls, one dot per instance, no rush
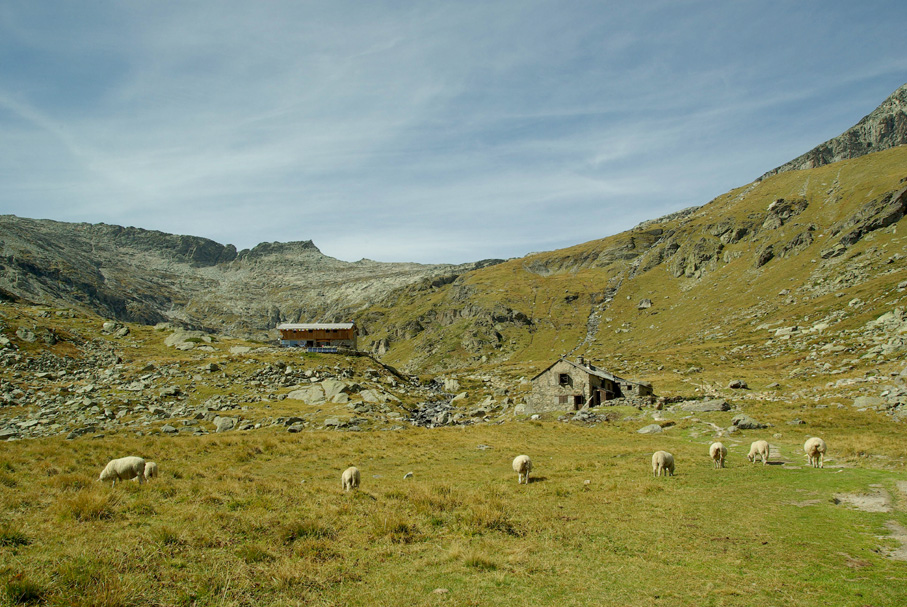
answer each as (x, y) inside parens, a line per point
(133, 467)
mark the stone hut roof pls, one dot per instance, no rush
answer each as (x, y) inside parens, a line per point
(591, 370)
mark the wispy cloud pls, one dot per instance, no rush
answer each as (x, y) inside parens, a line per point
(423, 131)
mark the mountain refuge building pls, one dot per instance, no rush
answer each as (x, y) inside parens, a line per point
(570, 386)
(318, 337)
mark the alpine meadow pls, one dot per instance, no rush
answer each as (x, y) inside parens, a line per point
(775, 312)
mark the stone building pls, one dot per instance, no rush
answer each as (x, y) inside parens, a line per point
(570, 386)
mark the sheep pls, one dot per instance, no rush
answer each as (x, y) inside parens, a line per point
(522, 465)
(718, 452)
(350, 478)
(815, 450)
(123, 469)
(662, 463)
(759, 448)
(150, 470)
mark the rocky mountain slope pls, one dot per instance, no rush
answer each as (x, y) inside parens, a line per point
(884, 128)
(148, 277)
(814, 252)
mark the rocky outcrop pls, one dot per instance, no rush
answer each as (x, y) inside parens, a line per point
(884, 128)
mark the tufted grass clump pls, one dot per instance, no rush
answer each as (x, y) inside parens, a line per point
(394, 527)
(10, 536)
(19, 590)
(88, 505)
(307, 529)
(254, 553)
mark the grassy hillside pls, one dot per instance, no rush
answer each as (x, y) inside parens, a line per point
(709, 291)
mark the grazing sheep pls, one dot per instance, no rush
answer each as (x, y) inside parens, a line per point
(759, 448)
(522, 465)
(815, 450)
(350, 478)
(718, 452)
(150, 470)
(123, 469)
(662, 463)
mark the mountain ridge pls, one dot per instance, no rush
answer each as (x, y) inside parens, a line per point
(883, 128)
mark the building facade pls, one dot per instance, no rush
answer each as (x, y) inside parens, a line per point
(318, 337)
(570, 386)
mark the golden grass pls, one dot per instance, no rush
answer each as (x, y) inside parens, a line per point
(261, 519)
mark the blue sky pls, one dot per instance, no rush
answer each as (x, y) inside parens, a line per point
(421, 131)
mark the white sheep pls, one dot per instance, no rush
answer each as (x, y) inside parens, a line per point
(350, 478)
(662, 463)
(815, 450)
(759, 448)
(150, 470)
(123, 469)
(718, 452)
(522, 465)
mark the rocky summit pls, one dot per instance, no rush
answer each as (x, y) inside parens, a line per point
(884, 128)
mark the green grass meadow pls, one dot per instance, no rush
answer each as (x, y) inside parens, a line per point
(260, 519)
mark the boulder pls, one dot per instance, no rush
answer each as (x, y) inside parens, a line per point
(703, 406)
(377, 396)
(745, 422)
(224, 424)
(738, 384)
(650, 429)
(312, 395)
(180, 339)
(26, 335)
(333, 388)
(870, 402)
(644, 304)
(8, 434)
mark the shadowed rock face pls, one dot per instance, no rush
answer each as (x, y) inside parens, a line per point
(884, 128)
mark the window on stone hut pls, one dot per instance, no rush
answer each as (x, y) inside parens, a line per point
(562, 400)
(564, 379)
(579, 400)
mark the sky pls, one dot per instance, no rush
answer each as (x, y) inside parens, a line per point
(434, 132)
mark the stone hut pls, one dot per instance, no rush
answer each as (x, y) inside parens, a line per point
(570, 386)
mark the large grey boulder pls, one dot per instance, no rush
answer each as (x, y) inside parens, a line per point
(311, 395)
(377, 396)
(333, 388)
(26, 335)
(745, 422)
(187, 340)
(650, 429)
(224, 424)
(8, 434)
(868, 402)
(704, 406)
